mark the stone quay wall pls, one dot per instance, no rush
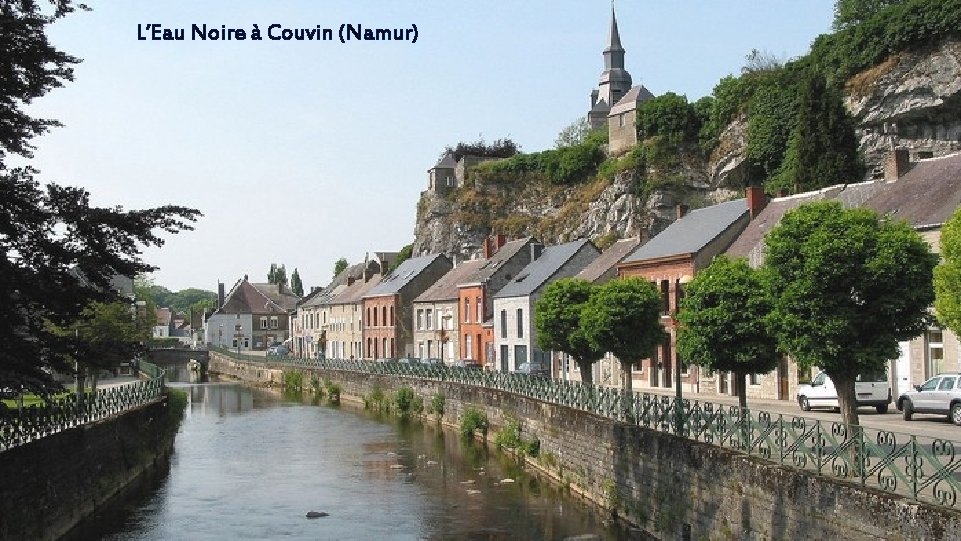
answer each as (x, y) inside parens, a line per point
(672, 487)
(50, 485)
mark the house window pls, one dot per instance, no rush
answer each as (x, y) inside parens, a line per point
(383, 316)
(263, 323)
(503, 323)
(420, 319)
(935, 339)
(392, 322)
(450, 180)
(466, 310)
(274, 323)
(754, 379)
(430, 319)
(420, 350)
(467, 347)
(520, 356)
(520, 323)
(665, 296)
(480, 311)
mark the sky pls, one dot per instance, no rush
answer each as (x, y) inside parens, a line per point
(302, 152)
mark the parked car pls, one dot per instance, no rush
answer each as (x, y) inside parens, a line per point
(467, 363)
(533, 369)
(940, 395)
(408, 360)
(278, 351)
(871, 389)
(431, 361)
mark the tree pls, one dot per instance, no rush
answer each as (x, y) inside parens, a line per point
(573, 134)
(947, 275)
(724, 322)
(60, 253)
(296, 285)
(624, 317)
(846, 286)
(340, 265)
(277, 275)
(823, 149)
(848, 13)
(557, 318)
(403, 255)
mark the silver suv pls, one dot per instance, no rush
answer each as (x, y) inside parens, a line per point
(940, 394)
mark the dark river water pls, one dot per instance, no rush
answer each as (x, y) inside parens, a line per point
(248, 464)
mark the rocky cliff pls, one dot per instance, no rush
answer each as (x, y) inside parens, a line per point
(913, 99)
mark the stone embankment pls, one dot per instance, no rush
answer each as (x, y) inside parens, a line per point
(671, 487)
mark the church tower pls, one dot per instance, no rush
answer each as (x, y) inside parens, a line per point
(615, 80)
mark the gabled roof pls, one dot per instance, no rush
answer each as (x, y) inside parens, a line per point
(629, 101)
(693, 232)
(445, 289)
(927, 195)
(608, 260)
(751, 241)
(445, 162)
(247, 298)
(496, 261)
(336, 285)
(539, 271)
(403, 275)
(355, 292)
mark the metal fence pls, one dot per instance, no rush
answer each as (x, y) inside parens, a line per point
(920, 468)
(18, 427)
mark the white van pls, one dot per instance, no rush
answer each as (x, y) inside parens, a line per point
(871, 390)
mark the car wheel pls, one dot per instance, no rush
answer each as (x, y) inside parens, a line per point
(956, 413)
(907, 410)
(883, 408)
(803, 402)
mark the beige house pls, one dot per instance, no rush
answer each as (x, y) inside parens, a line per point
(343, 313)
(435, 321)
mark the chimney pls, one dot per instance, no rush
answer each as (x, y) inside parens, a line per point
(493, 243)
(681, 211)
(220, 295)
(350, 280)
(756, 200)
(896, 164)
(536, 250)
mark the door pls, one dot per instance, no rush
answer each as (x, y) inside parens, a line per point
(782, 381)
(927, 398)
(904, 369)
(504, 355)
(722, 382)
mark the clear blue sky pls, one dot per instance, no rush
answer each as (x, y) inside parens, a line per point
(302, 152)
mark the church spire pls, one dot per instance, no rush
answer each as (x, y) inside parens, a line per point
(614, 37)
(615, 80)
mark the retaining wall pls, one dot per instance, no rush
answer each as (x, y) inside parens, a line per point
(49, 485)
(672, 487)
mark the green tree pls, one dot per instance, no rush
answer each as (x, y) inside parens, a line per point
(848, 13)
(403, 255)
(296, 285)
(846, 286)
(574, 134)
(341, 264)
(723, 322)
(277, 275)
(823, 149)
(624, 317)
(947, 275)
(60, 253)
(557, 318)
(670, 116)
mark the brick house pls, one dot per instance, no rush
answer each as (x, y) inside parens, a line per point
(671, 259)
(342, 321)
(436, 332)
(515, 338)
(504, 261)
(388, 307)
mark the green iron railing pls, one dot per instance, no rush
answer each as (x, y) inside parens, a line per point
(18, 427)
(925, 469)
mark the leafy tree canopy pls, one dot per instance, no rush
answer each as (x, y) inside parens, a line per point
(947, 275)
(500, 148)
(724, 321)
(296, 284)
(557, 318)
(852, 12)
(277, 275)
(574, 134)
(846, 286)
(341, 264)
(60, 253)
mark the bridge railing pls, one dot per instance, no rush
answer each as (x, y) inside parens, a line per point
(55, 414)
(921, 468)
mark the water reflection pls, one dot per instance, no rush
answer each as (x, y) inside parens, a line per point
(250, 465)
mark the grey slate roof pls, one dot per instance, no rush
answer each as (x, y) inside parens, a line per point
(692, 232)
(925, 195)
(445, 289)
(354, 292)
(507, 251)
(539, 271)
(402, 275)
(334, 287)
(630, 100)
(609, 259)
(750, 243)
(446, 162)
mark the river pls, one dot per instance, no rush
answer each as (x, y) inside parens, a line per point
(249, 464)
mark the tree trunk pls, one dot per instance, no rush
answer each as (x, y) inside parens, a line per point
(847, 399)
(740, 388)
(587, 372)
(627, 384)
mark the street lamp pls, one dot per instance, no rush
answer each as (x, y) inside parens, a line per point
(678, 407)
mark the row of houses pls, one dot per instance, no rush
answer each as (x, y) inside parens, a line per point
(482, 309)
